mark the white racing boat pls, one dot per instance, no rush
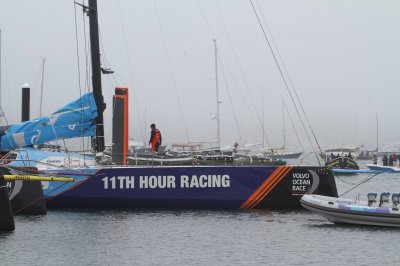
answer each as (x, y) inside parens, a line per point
(373, 212)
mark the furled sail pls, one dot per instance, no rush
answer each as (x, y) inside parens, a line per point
(76, 119)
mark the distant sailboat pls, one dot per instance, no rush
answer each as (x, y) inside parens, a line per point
(368, 154)
(280, 152)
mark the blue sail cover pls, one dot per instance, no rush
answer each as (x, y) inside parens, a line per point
(76, 119)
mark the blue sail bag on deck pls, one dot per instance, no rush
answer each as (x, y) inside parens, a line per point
(76, 119)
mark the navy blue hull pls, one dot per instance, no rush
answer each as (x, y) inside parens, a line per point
(191, 187)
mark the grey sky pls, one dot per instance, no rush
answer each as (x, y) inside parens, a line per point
(343, 58)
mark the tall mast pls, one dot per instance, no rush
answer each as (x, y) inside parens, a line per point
(145, 123)
(217, 91)
(41, 88)
(377, 135)
(263, 119)
(96, 75)
(0, 77)
(283, 125)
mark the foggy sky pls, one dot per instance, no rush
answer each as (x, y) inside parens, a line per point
(342, 56)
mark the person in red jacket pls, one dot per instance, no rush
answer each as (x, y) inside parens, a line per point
(155, 138)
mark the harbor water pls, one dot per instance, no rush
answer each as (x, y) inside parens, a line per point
(203, 237)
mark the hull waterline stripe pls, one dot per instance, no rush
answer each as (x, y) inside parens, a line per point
(264, 186)
(270, 187)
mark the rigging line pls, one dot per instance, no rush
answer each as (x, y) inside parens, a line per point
(35, 83)
(87, 48)
(77, 55)
(230, 99)
(119, 78)
(142, 130)
(86, 66)
(104, 60)
(41, 87)
(205, 18)
(363, 182)
(77, 52)
(114, 80)
(283, 77)
(245, 101)
(111, 81)
(238, 64)
(351, 183)
(171, 69)
(37, 75)
(103, 57)
(288, 76)
(280, 70)
(294, 128)
(4, 115)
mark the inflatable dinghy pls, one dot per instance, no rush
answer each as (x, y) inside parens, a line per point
(373, 212)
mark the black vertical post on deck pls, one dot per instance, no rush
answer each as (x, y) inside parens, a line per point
(96, 75)
(120, 126)
(26, 95)
(118, 130)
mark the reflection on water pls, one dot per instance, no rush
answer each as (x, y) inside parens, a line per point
(202, 237)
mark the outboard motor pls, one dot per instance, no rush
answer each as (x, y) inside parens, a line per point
(395, 199)
(384, 198)
(371, 198)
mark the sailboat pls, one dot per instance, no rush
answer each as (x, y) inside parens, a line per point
(281, 152)
(370, 154)
(194, 186)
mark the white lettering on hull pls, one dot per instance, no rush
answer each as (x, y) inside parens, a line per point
(301, 183)
(166, 182)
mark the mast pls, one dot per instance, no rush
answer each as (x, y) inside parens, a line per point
(1, 114)
(217, 91)
(377, 135)
(283, 125)
(145, 123)
(98, 144)
(263, 119)
(41, 88)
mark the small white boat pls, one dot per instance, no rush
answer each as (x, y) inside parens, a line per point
(384, 169)
(338, 210)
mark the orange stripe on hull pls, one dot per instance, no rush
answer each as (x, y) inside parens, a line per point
(271, 187)
(256, 194)
(266, 187)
